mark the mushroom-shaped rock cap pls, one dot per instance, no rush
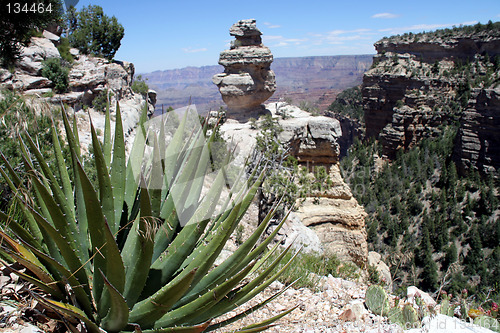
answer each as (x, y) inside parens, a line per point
(245, 28)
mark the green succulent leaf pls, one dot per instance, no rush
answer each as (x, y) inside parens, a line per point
(138, 251)
(117, 317)
(117, 170)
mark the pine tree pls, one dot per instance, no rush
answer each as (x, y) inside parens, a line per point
(451, 256)
(429, 274)
(473, 262)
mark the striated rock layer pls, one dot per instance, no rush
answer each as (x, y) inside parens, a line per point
(478, 141)
(334, 214)
(420, 82)
(248, 80)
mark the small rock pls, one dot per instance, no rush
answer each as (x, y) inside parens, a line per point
(52, 37)
(413, 291)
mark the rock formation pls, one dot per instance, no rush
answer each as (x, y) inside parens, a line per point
(478, 140)
(248, 80)
(334, 214)
(336, 218)
(419, 82)
(88, 77)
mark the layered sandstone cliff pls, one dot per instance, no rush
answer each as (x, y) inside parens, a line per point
(331, 212)
(420, 82)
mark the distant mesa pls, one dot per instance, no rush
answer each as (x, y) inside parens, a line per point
(247, 81)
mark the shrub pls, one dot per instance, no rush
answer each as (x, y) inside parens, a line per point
(63, 49)
(54, 70)
(93, 32)
(139, 86)
(312, 267)
(101, 101)
(15, 118)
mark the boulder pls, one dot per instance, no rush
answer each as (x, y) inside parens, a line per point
(52, 37)
(413, 292)
(375, 260)
(248, 80)
(295, 233)
(74, 52)
(26, 82)
(38, 92)
(5, 75)
(152, 96)
(31, 57)
(70, 98)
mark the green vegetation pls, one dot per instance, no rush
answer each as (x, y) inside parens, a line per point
(491, 29)
(63, 49)
(16, 117)
(93, 32)
(19, 21)
(139, 86)
(313, 267)
(102, 100)
(348, 103)
(55, 70)
(427, 218)
(123, 255)
(377, 300)
(279, 179)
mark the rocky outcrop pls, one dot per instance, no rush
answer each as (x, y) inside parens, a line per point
(420, 82)
(335, 217)
(333, 213)
(443, 44)
(478, 140)
(88, 77)
(248, 80)
(403, 100)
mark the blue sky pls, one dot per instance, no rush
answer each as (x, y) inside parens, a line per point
(174, 34)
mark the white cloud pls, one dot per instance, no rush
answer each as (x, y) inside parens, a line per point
(385, 16)
(271, 37)
(191, 50)
(282, 41)
(338, 37)
(272, 26)
(423, 27)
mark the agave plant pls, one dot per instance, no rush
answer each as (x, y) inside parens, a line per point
(136, 251)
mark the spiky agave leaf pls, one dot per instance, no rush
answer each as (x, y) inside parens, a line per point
(138, 248)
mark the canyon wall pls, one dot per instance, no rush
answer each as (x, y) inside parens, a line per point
(313, 79)
(420, 82)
